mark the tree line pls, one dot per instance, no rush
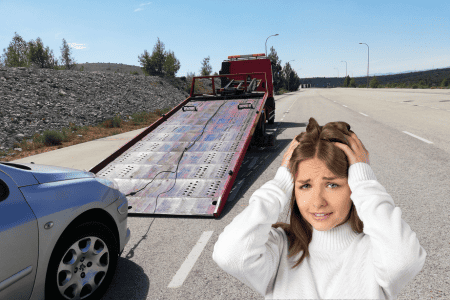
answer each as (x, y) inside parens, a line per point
(160, 62)
(284, 79)
(422, 83)
(33, 54)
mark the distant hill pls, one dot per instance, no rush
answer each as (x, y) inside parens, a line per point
(110, 67)
(434, 77)
(178, 82)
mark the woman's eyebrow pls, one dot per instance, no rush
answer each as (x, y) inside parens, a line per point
(326, 178)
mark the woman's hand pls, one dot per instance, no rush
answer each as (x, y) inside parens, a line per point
(357, 152)
(288, 154)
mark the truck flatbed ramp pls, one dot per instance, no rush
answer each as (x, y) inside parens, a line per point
(207, 170)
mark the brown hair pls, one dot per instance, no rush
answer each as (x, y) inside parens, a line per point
(316, 142)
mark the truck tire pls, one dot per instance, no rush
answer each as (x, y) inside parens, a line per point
(271, 121)
(262, 129)
(271, 104)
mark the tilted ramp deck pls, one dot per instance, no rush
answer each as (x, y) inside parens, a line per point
(207, 170)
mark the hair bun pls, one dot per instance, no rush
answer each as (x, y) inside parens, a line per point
(332, 131)
(313, 126)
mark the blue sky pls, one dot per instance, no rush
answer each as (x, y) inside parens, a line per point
(318, 35)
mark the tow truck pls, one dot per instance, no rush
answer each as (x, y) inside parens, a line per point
(187, 161)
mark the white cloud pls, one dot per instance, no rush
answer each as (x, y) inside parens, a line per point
(76, 46)
(142, 4)
(57, 35)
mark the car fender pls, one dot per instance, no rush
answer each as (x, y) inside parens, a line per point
(121, 220)
(57, 204)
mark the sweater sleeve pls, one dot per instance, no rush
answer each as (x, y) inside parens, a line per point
(249, 248)
(397, 254)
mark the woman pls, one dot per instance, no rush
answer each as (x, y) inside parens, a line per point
(358, 247)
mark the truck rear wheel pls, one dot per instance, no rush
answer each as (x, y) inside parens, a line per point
(263, 125)
(262, 128)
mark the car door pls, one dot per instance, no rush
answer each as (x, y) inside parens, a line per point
(18, 242)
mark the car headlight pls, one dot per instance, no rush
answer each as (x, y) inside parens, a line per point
(108, 182)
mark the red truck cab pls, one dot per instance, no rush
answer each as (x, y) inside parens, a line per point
(237, 64)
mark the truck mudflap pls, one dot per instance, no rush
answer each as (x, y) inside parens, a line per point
(206, 171)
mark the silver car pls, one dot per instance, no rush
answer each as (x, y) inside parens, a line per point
(61, 232)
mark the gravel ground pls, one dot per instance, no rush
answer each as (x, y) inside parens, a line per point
(36, 100)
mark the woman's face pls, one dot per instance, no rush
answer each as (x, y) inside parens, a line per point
(318, 195)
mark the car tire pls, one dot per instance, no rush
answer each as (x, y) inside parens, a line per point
(83, 263)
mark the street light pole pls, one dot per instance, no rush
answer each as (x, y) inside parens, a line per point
(367, 64)
(289, 73)
(266, 42)
(345, 67)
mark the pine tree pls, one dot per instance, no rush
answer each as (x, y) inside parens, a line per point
(288, 76)
(206, 67)
(160, 63)
(16, 54)
(276, 69)
(66, 59)
(347, 81)
(146, 63)
(38, 56)
(153, 65)
(294, 82)
(171, 64)
(158, 57)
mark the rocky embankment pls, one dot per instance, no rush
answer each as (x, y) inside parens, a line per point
(36, 100)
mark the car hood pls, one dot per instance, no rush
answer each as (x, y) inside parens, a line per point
(28, 174)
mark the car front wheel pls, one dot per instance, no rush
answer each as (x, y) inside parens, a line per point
(83, 263)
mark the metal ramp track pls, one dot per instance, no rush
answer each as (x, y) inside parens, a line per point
(206, 171)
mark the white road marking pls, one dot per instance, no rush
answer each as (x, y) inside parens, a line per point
(286, 112)
(417, 137)
(292, 104)
(253, 163)
(344, 105)
(186, 267)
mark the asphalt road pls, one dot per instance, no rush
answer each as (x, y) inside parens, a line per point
(406, 132)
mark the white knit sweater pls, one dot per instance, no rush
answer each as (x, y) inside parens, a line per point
(375, 264)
